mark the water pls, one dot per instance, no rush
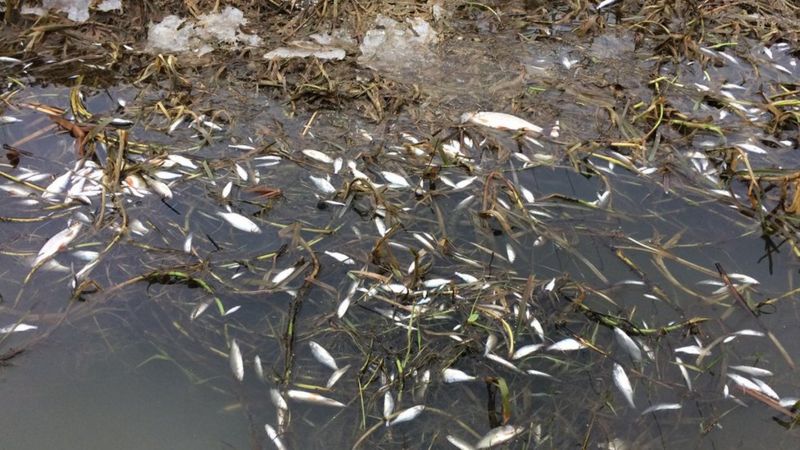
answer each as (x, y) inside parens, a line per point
(615, 233)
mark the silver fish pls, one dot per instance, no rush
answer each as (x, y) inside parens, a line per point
(335, 376)
(323, 185)
(628, 344)
(500, 121)
(388, 404)
(499, 435)
(273, 436)
(310, 397)
(318, 156)
(406, 415)
(623, 384)
(277, 399)
(458, 443)
(566, 345)
(526, 350)
(322, 356)
(240, 222)
(258, 368)
(17, 327)
(58, 242)
(456, 376)
(283, 275)
(662, 407)
(752, 371)
(235, 359)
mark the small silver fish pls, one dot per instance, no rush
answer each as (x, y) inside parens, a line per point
(628, 344)
(235, 359)
(277, 399)
(662, 407)
(456, 376)
(283, 275)
(310, 397)
(566, 345)
(318, 156)
(335, 376)
(273, 436)
(322, 356)
(499, 435)
(623, 384)
(240, 222)
(58, 242)
(406, 415)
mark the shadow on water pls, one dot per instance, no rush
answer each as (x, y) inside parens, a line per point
(336, 250)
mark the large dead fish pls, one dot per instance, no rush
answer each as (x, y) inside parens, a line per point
(500, 121)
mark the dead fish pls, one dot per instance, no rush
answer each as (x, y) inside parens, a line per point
(623, 384)
(258, 368)
(662, 407)
(628, 344)
(159, 187)
(604, 4)
(240, 222)
(187, 243)
(310, 397)
(16, 328)
(58, 186)
(537, 327)
(499, 435)
(277, 399)
(526, 350)
(283, 275)
(744, 382)
(243, 175)
(491, 343)
(456, 376)
(341, 257)
(388, 404)
(467, 278)
(435, 283)
(200, 309)
(341, 310)
(241, 147)
(322, 356)
(502, 362)
(537, 373)
(500, 121)
(235, 359)
(459, 443)
(232, 310)
(273, 436)
(226, 191)
(335, 376)
(766, 389)
(395, 180)
(752, 371)
(684, 373)
(318, 156)
(322, 185)
(566, 345)
(58, 242)
(406, 415)
(510, 253)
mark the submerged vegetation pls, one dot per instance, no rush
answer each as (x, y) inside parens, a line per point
(530, 224)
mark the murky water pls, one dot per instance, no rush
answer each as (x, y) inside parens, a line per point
(464, 235)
